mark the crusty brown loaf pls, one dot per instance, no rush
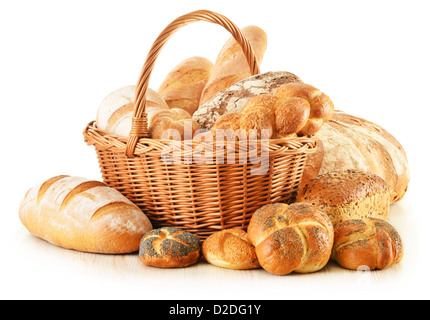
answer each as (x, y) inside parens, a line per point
(287, 238)
(348, 194)
(231, 64)
(173, 123)
(184, 84)
(234, 98)
(85, 215)
(169, 248)
(230, 249)
(350, 142)
(369, 242)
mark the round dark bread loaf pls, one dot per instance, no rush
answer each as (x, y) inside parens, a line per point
(169, 248)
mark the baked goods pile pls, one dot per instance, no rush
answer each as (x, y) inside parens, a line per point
(341, 211)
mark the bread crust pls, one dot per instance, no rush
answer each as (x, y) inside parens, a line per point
(230, 249)
(350, 142)
(348, 194)
(291, 238)
(235, 97)
(169, 247)
(183, 86)
(85, 215)
(368, 242)
(231, 64)
(172, 123)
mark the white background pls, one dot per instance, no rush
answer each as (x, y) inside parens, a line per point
(59, 59)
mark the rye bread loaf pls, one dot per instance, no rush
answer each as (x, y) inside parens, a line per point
(350, 142)
(234, 98)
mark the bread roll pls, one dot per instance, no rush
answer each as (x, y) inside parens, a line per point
(169, 248)
(230, 249)
(234, 98)
(80, 214)
(369, 242)
(231, 64)
(259, 114)
(228, 121)
(348, 194)
(183, 86)
(287, 238)
(301, 109)
(116, 110)
(176, 123)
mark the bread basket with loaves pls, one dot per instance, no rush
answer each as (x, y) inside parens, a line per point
(201, 198)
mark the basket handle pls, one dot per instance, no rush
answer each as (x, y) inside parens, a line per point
(139, 126)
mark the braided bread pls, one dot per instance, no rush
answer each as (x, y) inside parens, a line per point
(301, 109)
(294, 109)
(366, 242)
(287, 238)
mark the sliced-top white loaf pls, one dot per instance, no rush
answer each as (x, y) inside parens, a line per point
(84, 215)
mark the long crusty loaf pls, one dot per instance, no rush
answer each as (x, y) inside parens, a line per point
(231, 64)
(84, 215)
(184, 84)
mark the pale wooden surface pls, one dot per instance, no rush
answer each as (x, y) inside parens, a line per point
(35, 268)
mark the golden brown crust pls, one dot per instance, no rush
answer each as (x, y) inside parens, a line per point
(231, 249)
(169, 248)
(320, 110)
(291, 115)
(287, 238)
(259, 114)
(84, 215)
(231, 65)
(369, 242)
(228, 121)
(184, 84)
(172, 123)
(348, 194)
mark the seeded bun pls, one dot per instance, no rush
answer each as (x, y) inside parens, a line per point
(169, 248)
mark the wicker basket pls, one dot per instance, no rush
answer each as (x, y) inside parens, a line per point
(200, 198)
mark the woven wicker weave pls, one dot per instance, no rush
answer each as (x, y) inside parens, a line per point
(200, 198)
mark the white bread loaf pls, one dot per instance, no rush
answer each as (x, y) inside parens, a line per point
(84, 215)
(350, 142)
(234, 98)
(116, 110)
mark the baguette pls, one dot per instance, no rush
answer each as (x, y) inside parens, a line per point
(84, 215)
(231, 64)
(183, 86)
